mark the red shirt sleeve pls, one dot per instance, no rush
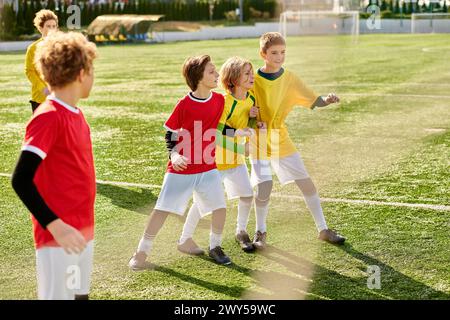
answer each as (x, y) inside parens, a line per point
(41, 134)
(174, 123)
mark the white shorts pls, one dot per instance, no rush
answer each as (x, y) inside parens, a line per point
(61, 276)
(177, 190)
(237, 182)
(288, 169)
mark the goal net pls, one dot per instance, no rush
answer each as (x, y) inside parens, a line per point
(430, 23)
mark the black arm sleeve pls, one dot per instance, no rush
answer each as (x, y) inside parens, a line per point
(171, 141)
(22, 183)
(228, 131)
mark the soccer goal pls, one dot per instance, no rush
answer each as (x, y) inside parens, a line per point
(320, 22)
(430, 23)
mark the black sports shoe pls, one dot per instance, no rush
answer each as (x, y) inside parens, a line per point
(244, 241)
(331, 236)
(219, 256)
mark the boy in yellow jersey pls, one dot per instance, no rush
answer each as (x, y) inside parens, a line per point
(237, 78)
(277, 92)
(45, 21)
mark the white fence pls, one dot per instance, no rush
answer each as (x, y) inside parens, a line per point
(210, 33)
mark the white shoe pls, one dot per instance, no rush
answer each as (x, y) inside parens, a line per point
(138, 262)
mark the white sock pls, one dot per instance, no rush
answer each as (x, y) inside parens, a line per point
(192, 219)
(313, 203)
(244, 207)
(261, 216)
(146, 243)
(215, 239)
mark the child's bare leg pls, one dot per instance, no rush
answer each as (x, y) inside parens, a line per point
(215, 237)
(217, 225)
(155, 223)
(244, 206)
(137, 261)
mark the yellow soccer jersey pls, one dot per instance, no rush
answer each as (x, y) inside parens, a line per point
(236, 115)
(37, 84)
(277, 94)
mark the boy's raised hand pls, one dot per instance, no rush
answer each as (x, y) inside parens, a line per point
(179, 162)
(254, 111)
(331, 98)
(69, 238)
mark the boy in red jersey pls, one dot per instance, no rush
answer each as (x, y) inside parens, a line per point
(190, 139)
(55, 176)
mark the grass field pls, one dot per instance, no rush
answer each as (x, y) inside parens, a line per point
(387, 141)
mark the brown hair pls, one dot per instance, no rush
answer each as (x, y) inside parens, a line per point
(42, 16)
(193, 69)
(231, 71)
(269, 39)
(61, 56)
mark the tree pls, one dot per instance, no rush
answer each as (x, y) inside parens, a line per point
(7, 23)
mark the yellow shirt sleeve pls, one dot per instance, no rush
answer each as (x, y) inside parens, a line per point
(304, 96)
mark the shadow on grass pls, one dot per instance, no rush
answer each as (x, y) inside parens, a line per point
(141, 201)
(307, 280)
(232, 291)
(314, 281)
(394, 284)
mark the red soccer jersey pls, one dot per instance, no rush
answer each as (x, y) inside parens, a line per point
(195, 121)
(65, 179)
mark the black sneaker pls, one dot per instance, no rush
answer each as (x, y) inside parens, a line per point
(219, 256)
(331, 236)
(244, 241)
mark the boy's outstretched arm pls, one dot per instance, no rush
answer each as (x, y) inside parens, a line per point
(325, 101)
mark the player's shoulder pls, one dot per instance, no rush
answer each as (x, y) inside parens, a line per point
(33, 45)
(46, 114)
(228, 98)
(218, 96)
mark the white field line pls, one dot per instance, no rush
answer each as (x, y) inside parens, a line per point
(371, 202)
(278, 195)
(427, 96)
(374, 84)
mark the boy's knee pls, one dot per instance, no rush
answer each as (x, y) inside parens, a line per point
(306, 186)
(263, 191)
(246, 200)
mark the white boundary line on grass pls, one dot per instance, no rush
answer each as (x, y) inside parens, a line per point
(394, 95)
(374, 84)
(371, 202)
(278, 195)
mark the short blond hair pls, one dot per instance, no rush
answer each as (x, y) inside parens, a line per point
(270, 39)
(231, 71)
(61, 56)
(42, 16)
